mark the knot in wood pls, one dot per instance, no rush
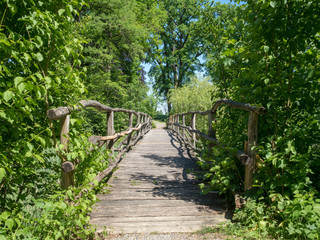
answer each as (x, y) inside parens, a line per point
(245, 159)
(94, 139)
(67, 166)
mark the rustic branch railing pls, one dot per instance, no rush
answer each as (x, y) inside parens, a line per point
(188, 134)
(132, 135)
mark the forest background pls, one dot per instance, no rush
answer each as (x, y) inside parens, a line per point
(263, 52)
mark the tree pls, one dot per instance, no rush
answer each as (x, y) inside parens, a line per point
(117, 34)
(176, 49)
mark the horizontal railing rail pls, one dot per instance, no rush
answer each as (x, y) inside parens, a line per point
(131, 135)
(188, 134)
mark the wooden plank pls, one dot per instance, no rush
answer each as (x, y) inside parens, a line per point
(159, 203)
(145, 212)
(160, 227)
(169, 228)
(161, 220)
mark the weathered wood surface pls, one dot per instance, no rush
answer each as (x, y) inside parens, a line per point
(249, 159)
(152, 191)
(61, 112)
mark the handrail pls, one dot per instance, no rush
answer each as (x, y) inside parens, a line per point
(247, 159)
(133, 135)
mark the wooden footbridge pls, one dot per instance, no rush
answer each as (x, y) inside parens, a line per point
(153, 188)
(152, 191)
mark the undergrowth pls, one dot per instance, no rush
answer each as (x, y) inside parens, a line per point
(46, 212)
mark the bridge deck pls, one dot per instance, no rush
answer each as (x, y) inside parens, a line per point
(152, 191)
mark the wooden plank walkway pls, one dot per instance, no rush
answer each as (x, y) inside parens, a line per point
(152, 191)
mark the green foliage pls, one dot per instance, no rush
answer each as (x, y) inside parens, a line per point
(281, 217)
(40, 54)
(194, 96)
(220, 172)
(267, 53)
(117, 32)
(51, 218)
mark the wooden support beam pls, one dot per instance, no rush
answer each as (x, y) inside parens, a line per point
(252, 142)
(110, 130)
(193, 126)
(183, 123)
(130, 120)
(64, 137)
(211, 131)
(67, 178)
(130, 126)
(177, 121)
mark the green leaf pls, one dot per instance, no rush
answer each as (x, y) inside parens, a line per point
(6, 42)
(7, 95)
(39, 40)
(2, 173)
(280, 206)
(273, 4)
(9, 223)
(39, 57)
(41, 140)
(95, 182)
(18, 80)
(61, 11)
(3, 114)
(58, 235)
(20, 232)
(68, 50)
(296, 214)
(62, 205)
(21, 87)
(48, 80)
(227, 62)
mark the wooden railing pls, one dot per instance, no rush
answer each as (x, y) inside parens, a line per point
(188, 134)
(132, 135)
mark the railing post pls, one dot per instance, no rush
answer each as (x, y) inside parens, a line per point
(252, 142)
(67, 177)
(110, 130)
(143, 118)
(130, 126)
(211, 131)
(149, 125)
(183, 123)
(130, 120)
(138, 122)
(177, 121)
(193, 126)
